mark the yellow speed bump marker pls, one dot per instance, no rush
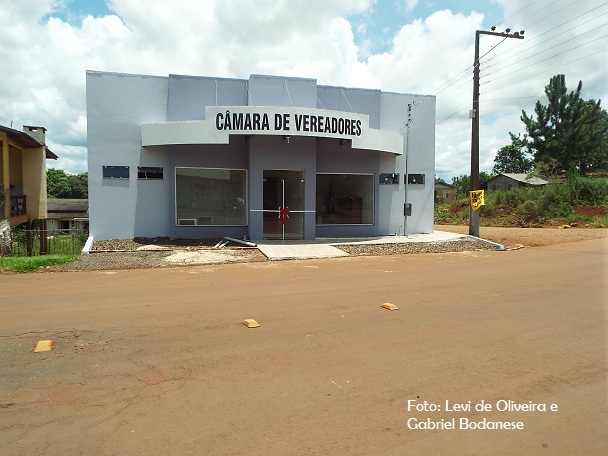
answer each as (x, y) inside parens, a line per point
(389, 306)
(43, 346)
(251, 323)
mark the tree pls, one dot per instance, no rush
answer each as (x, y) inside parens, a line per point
(569, 134)
(513, 158)
(59, 184)
(463, 182)
(79, 184)
(594, 138)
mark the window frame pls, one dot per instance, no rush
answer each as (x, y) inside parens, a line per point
(150, 169)
(371, 176)
(115, 168)
(193, 221)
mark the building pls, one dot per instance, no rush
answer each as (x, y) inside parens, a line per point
(67, 214)
(23, 174)
(445, 192)
(507, 181)
(265, 158)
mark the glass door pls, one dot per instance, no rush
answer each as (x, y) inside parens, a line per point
(283, 209)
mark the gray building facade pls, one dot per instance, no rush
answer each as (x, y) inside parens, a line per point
(265, 158)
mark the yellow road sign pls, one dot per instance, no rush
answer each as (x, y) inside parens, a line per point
(477, 199)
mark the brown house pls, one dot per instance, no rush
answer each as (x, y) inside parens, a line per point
(23, 156)
(445, 191)
(23, 174)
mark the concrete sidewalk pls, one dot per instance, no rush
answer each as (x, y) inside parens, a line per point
(325, 248)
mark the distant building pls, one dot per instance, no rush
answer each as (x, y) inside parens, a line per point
(445, 192)
(508, 181)
(67, 214)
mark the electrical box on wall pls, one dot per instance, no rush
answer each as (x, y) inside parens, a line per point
(407, 209)
(414, 179)
(389, 178)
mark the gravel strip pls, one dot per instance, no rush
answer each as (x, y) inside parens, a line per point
(113, 245)
(116, 260)
(116, 254)
(416, 247)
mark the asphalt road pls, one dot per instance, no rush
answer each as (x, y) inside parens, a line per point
(157, 362)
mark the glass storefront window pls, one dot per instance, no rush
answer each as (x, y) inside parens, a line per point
(210, 196)
(345, 199)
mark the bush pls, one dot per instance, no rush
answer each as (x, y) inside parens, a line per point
(499, 198)
(535, 205)
(529, 210)
(571, 218)
(588, 190)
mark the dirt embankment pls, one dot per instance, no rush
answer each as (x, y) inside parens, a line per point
(530, 237)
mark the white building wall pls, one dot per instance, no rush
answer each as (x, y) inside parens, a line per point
(421, 160)
(117, 106)
(418, 157)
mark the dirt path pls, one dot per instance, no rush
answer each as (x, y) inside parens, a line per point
(157, 361)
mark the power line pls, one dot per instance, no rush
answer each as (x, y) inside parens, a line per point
(551, 57)
(548, 69)
(505, 20)
(519, 61)
(465, 75)
(510, 98)
(468, 68)
(452, 115)
(514, 48)
(552, 14)
(468, 81)
(491, 49)
(452, 81)
(468, 71)
(528, 48)
(541, 52)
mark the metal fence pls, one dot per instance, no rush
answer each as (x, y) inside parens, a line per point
(34, 242)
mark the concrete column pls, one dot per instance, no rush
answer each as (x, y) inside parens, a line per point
(6, 177)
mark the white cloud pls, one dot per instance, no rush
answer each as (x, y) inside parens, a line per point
(410, 5)
(48, 57)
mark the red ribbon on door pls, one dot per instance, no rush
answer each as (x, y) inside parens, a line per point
(284, 214)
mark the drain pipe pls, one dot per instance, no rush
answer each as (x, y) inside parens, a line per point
(240, 241)
(87, 247)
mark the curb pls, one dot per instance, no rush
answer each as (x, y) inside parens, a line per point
(495, 244)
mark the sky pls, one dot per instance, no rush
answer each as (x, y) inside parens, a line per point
(410, 46)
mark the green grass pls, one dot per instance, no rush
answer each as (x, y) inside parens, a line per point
(581, 200)
(28, 264)
(56, 244)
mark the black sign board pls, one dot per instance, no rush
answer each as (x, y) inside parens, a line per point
(386, 178)
(414, 179)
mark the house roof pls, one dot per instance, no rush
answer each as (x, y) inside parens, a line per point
(49, 154)
(444, 185)
(67, 205)
(26, 140)
(524, 178)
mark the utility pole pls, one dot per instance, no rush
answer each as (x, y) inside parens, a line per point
(474, 215)
(408, 124)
